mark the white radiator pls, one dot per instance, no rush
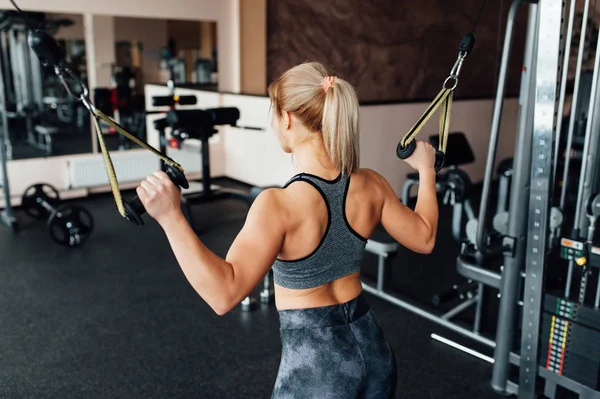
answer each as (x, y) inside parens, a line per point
(129, 167)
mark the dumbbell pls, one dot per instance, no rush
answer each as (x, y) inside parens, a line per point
(69, 225)
(267, 296)
(405, 152)
(134, 208)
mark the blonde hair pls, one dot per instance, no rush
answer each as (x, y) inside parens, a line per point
(331, 111)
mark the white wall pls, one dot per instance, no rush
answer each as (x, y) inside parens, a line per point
(224, 12)
(254, 156)
(383, 126)
(74, 31)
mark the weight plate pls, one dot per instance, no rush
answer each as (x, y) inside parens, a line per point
(70, 225)
(556, 218)
(459, 181)
(32, 198)
(500, 223)
(594, 206)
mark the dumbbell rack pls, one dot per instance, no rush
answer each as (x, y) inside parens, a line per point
(6, 215)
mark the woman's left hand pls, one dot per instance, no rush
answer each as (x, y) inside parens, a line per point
(160, 196)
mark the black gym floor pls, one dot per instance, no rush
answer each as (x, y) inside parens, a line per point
(117, 319)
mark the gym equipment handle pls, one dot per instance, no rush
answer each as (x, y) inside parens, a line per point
(405, 152)
(46, 48)
(159, 101)
(134, 207)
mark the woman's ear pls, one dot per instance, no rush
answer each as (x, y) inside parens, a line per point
(287, 120)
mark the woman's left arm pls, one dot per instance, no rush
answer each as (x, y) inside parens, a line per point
(222, 283)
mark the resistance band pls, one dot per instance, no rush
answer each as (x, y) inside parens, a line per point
(443, 101)
(51, 54)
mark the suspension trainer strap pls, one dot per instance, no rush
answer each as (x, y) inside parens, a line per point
(136, 140)
(443, 102)
(110, 169)
(445, 122)
(112, 176)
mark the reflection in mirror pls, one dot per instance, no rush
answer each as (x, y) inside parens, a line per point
(153, 51)
(42, 119)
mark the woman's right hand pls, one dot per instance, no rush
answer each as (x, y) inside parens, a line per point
(423, 158)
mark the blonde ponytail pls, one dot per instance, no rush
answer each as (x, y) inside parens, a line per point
(340, 126)
(329, 109)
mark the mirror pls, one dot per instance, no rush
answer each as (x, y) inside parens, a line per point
(42, 119)
(153, 51)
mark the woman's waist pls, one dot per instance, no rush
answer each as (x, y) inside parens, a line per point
(324, 314)
(335, 292)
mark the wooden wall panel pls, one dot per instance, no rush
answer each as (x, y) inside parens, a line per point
(394, 50)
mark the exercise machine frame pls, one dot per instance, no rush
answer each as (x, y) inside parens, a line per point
(524, 246)
(6, 215)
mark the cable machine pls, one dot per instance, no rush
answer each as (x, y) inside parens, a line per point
(551, 334)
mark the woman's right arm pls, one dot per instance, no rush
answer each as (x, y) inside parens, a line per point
(417, 229)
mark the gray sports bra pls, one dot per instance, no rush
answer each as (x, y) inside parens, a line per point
(341, 249)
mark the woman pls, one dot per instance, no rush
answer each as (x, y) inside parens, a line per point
(313, 234)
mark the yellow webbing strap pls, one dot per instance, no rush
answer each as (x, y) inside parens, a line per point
(445, 113)
(110, 169)
(443, 100)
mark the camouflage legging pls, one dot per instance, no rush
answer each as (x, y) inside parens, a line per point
(334, 351)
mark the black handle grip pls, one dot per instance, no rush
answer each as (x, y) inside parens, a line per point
(45, 47)
(187, 100)
(440, 157)
(163, 101)
(169, 101)
(467, 43)
(134, 209)
(405, 152)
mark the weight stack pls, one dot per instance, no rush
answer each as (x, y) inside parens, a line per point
(571, 340)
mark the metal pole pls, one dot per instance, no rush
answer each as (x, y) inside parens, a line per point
(548, 61)
(37, 84)
(469, 210)
(459, 308)
(503, 184)
(380, 272)
(494, 133)
(6, 65)
(477, 322)
(517, 223)
(597, 301)
(7, 214)
(563, 87)
(429, 316)
(457, 211)
(17, 71)
(580, 54)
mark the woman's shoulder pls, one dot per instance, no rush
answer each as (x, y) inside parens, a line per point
(369, 177)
